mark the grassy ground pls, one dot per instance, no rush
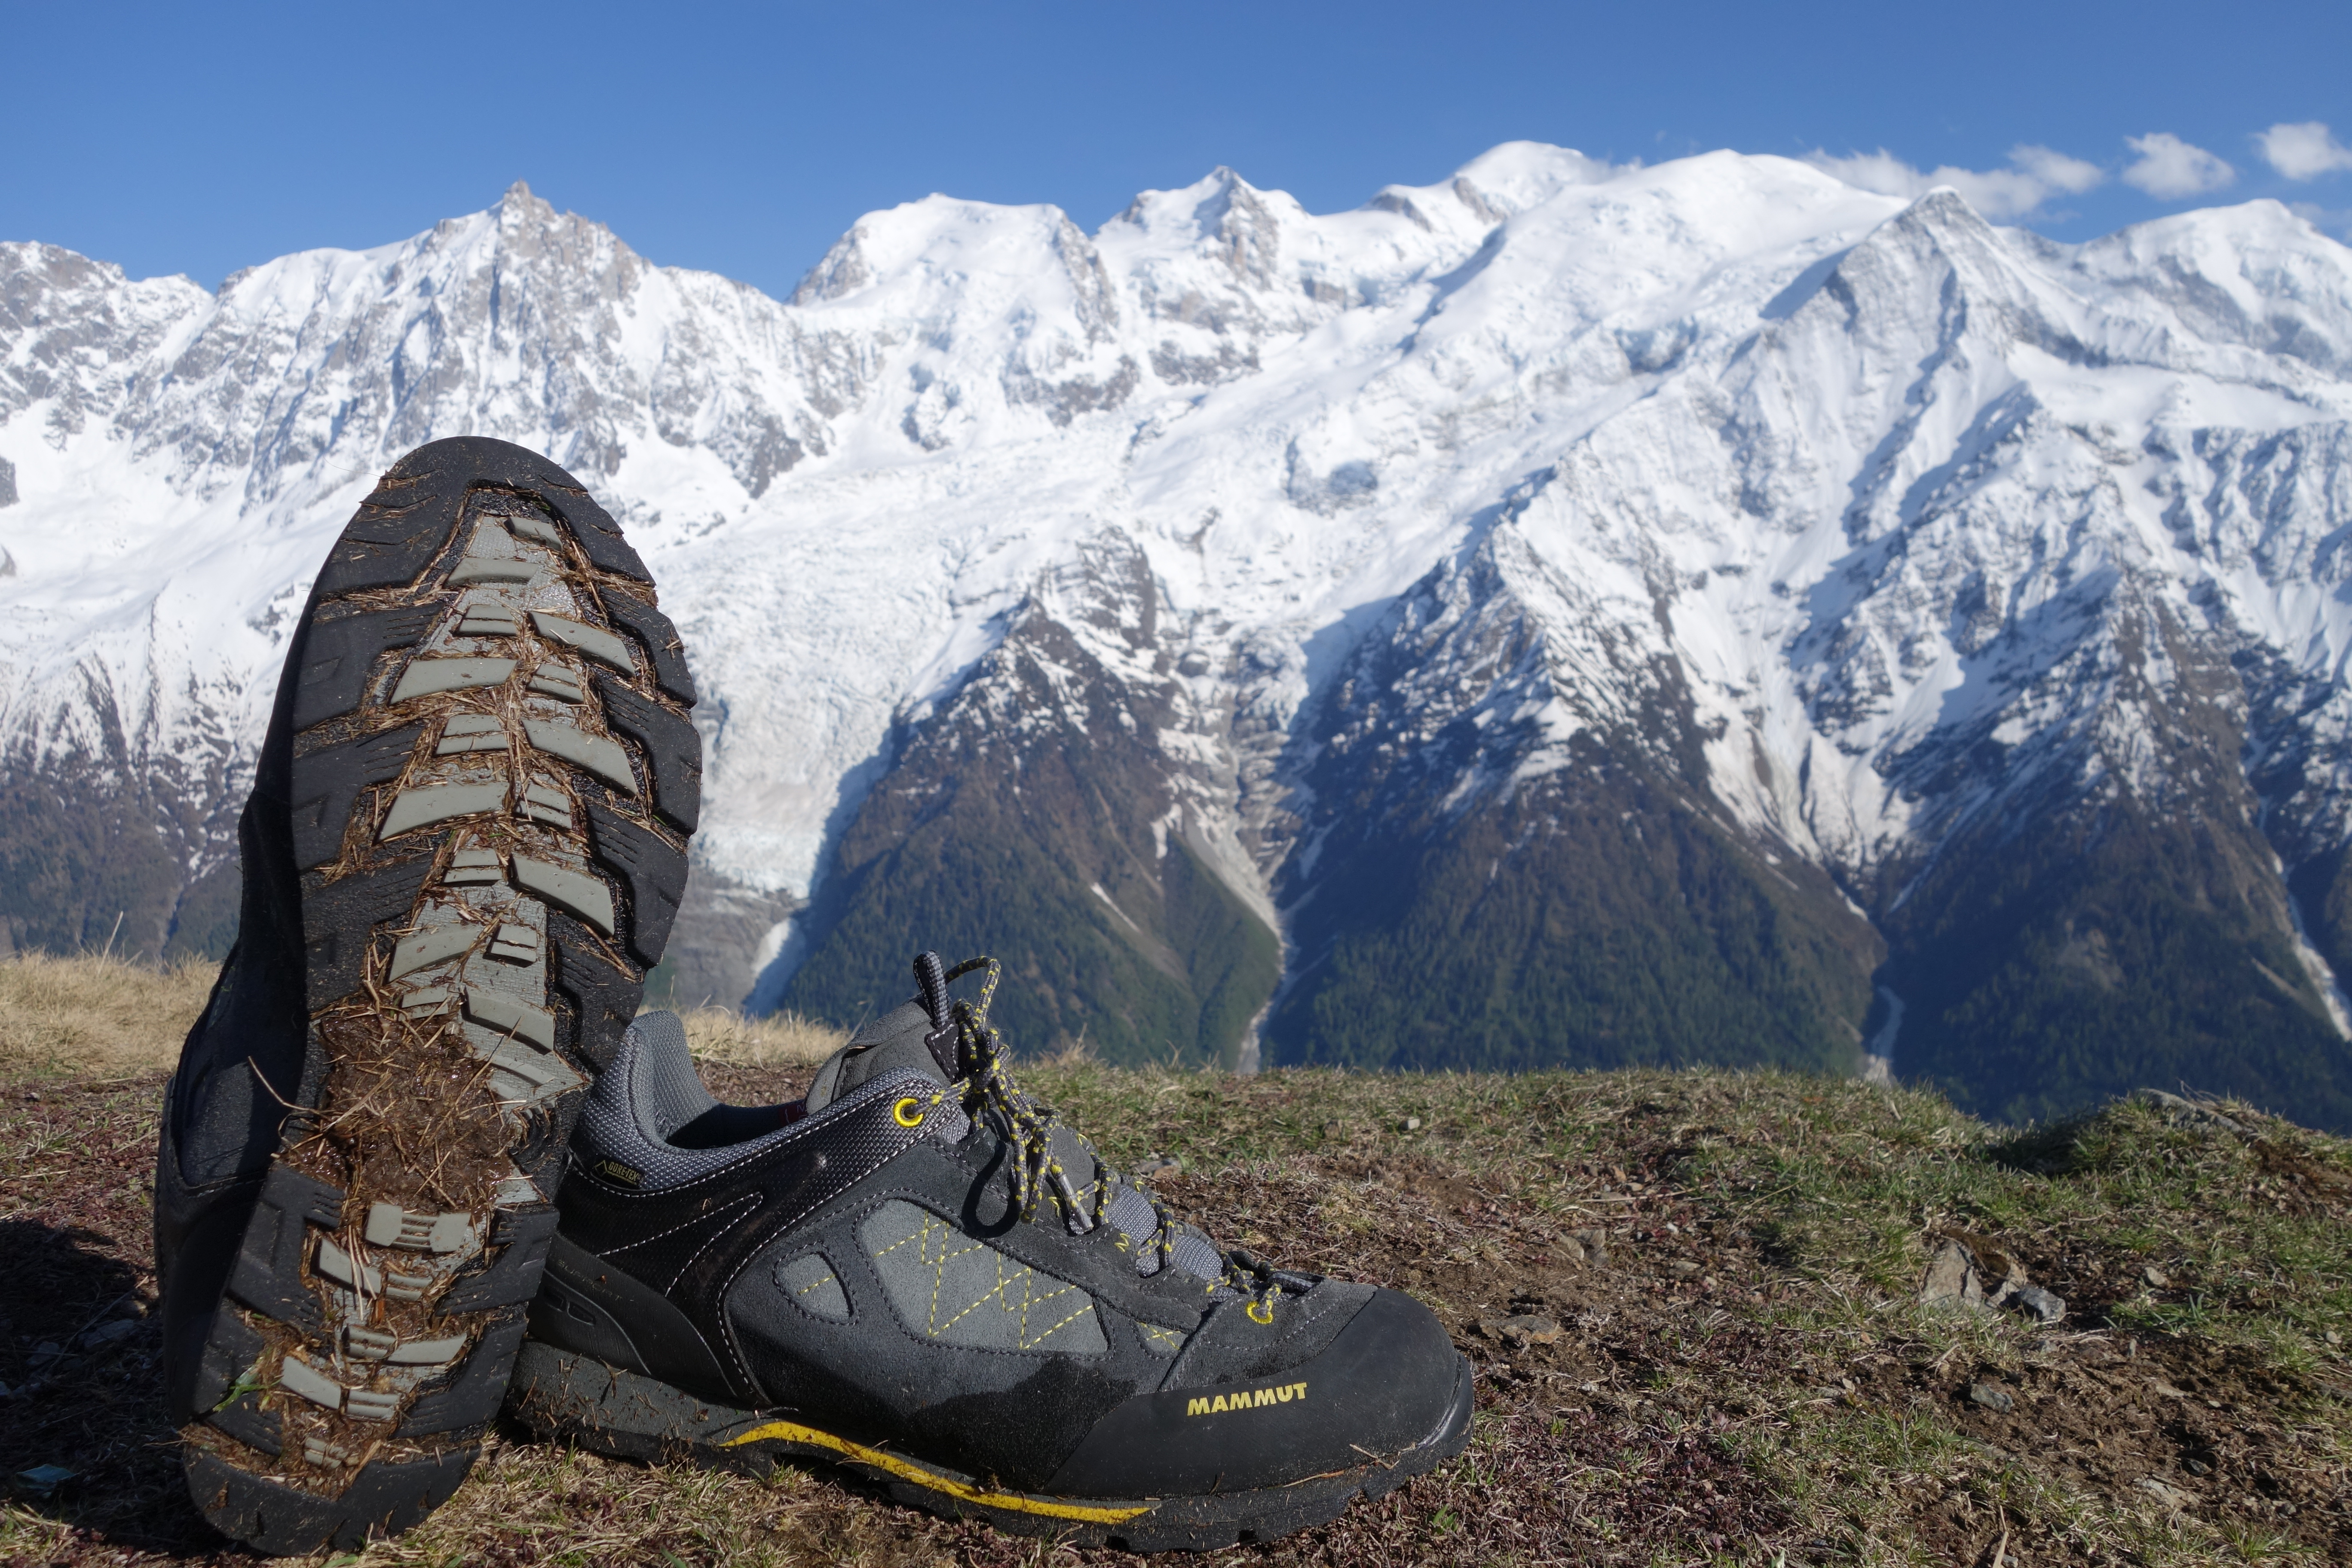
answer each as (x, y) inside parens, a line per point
(1742, 1372)
(89, 1016)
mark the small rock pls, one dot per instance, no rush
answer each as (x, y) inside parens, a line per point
(2334, 1337)
(1682, 1269)
(1410, 1124)
(107, 1333)
(43, 1479)
(1522, 1328)
(1991, 1397)
(1152, 1165)
(2043, 1307)
(1951, 1280)
(2170, 1497)
(2197, 1466)
(1570, 1249)
(48, 1350)
(2157, 1277)
(1596, 1246)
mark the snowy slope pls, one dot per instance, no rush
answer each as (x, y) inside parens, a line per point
(1900, 509)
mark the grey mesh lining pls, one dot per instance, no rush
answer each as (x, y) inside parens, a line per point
(1196, 1255)
(1192, 1253)
(652, 1097)
(665, 1090)
(894, 1040)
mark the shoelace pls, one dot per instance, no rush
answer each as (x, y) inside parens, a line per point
(1037, 1172)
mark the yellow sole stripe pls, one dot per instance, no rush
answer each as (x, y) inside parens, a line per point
(790, 1432)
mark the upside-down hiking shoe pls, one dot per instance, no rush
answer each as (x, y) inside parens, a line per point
(464, 848)
(917, 1273)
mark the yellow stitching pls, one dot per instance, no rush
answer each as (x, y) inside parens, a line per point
(1057, 1328)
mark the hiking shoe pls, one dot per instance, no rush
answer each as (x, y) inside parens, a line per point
(464, 848)
(917, 1272)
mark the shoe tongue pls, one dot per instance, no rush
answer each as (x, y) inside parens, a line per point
(892, 1042)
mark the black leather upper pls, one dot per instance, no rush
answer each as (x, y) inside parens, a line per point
(683, 1284)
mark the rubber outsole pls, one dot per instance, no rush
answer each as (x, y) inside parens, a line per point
(575, 1398)
(491, 778)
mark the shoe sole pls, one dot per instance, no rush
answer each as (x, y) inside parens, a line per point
(492, 780)
(570, 1397)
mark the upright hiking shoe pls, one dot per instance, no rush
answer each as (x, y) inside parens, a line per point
(917, 1273)
(464, 848)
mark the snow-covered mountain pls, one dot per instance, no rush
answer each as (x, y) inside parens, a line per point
(1591, 614)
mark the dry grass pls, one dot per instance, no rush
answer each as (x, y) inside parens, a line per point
(1741, 1375)
(93, 1016)
(722, 1035)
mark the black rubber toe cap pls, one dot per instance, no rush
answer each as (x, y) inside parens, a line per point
(1385, 1383)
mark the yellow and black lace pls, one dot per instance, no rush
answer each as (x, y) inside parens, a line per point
(1027, 1127)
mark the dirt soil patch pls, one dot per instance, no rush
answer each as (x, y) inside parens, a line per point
(1689, 1299)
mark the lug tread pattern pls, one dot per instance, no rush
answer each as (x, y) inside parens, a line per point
(339, 923)
(655, 872)
(231, 1345)
(599, 536)
(604, 1000)
(244, 1420)
(338, 655)
(328, 781)
(268, 1273)
(386, 546)
(383, 1499)
(512, 1279)
(660, 639)
(400, 539)
(673, 747)
(479, 1389)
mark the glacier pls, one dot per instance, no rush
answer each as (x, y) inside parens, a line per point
(1885, 533)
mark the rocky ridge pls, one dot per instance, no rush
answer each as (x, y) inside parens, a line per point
(1702, 612)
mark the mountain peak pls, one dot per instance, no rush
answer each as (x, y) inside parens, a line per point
(1857, 523)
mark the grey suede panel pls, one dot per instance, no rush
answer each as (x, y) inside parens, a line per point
(959, 1291)
(896, 1040)
(808, 1282)
(1232, 1347)
(1013, 1414)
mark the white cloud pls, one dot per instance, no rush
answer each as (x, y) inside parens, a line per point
(2169, 168)
(2034, 176)
(2303, 152)
(2056, 170)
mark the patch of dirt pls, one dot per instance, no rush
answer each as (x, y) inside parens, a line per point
(377, 1135)
(1643, 1430)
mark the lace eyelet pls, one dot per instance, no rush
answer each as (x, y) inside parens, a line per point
(1258, 1306)
(908, 1113)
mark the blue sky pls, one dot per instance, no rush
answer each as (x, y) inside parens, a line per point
(744, 139)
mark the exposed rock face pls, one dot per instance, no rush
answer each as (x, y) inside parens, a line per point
(1037, 813)
(1702, 612)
